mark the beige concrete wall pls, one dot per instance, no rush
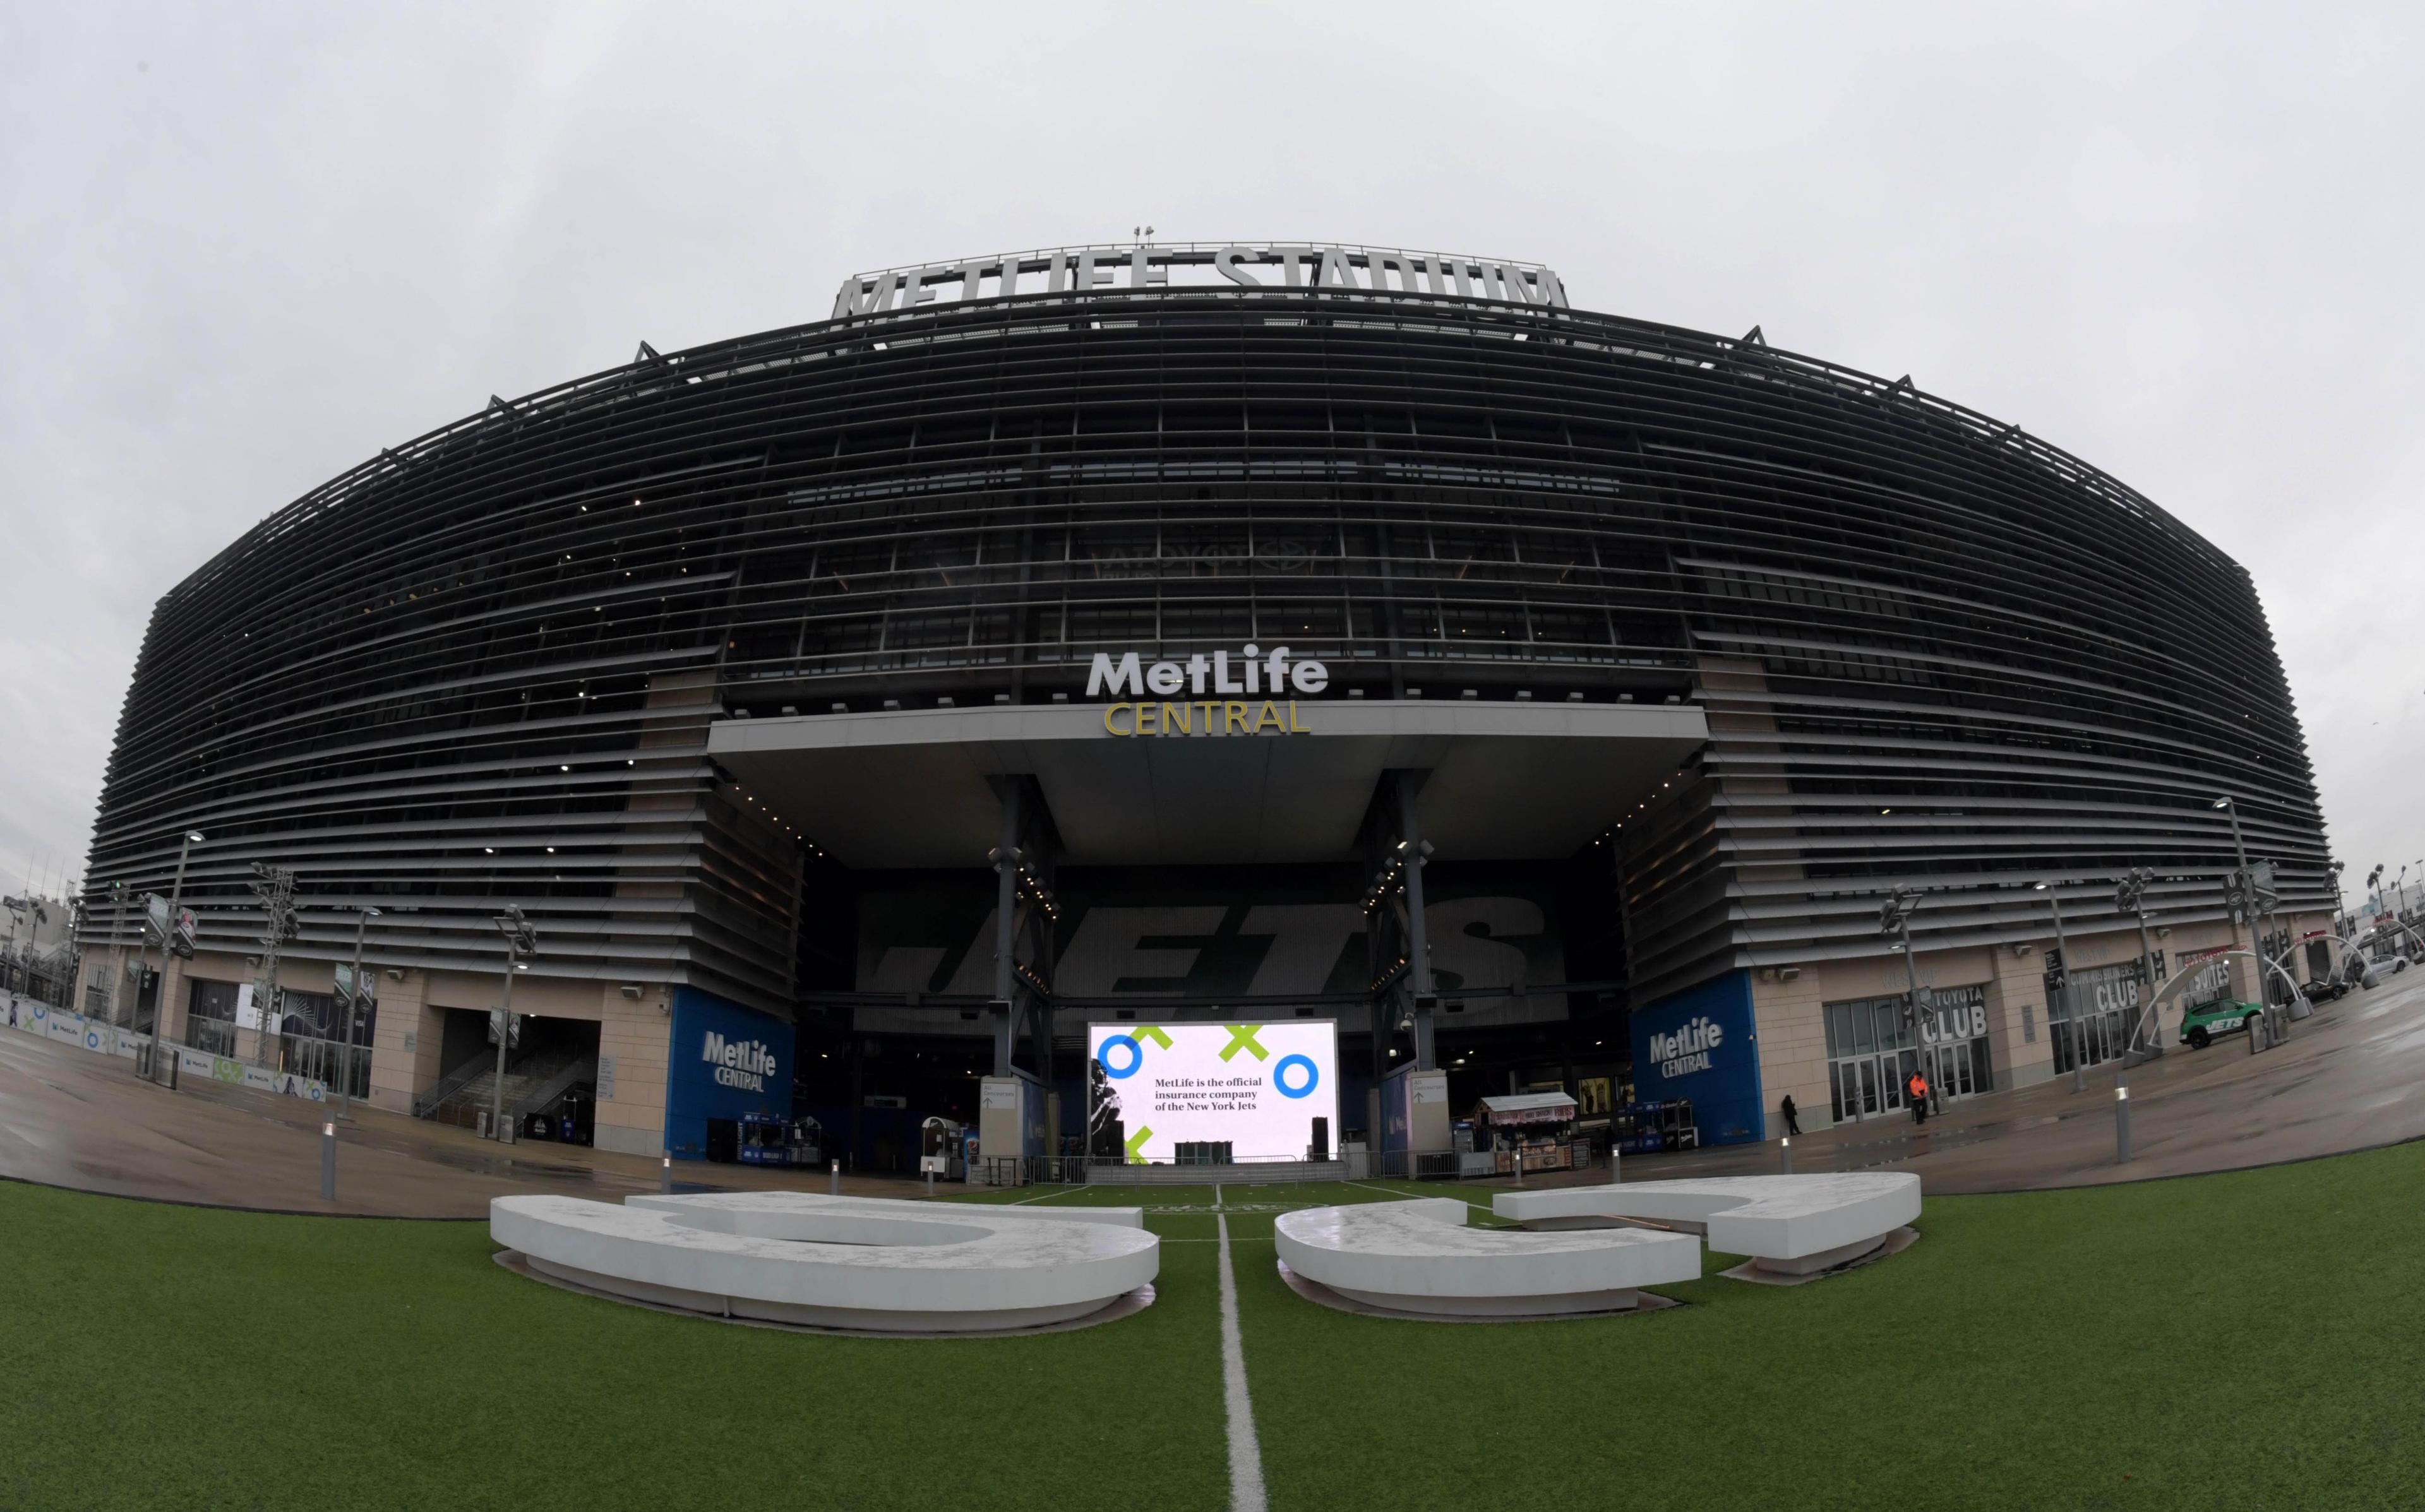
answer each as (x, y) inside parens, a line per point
(2018, 1040)
(637, 1037)
(405, 1049)
(1792, 1048)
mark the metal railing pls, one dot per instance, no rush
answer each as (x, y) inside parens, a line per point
(453, 1082)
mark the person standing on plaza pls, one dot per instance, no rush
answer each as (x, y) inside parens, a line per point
(1793, 1118)
(1917, 1089)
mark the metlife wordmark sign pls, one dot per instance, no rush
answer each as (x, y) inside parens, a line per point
(724, 1061)
(1699, 1044)
(1254, 673)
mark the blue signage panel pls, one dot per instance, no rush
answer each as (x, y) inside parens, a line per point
(724, 1060)
(1698, 1044)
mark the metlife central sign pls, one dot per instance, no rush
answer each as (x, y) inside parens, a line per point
(1252, 671)
(726, 1061)
(1700, 1043)
(1309, 268)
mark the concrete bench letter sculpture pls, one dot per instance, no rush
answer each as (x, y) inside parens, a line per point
(865, 1263)
(1789, 1225)
(1420, 1257)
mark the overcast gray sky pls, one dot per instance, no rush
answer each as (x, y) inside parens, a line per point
(245, 248)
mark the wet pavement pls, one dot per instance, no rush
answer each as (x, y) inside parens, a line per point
(70, 1118)
(2350, 1077)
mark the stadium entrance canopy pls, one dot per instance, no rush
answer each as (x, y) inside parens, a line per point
(1206, 783)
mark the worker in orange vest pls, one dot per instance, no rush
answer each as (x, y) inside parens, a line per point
(1917, 1088)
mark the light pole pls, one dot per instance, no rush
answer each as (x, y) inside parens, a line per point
(346, 1087)
(2130, 897)
(168, 949)
(116, 948)
(2244, 888)
(1894, 921)
(2063, 985)
(521, 940)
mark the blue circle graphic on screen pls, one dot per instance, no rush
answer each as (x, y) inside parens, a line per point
(1120, 1041)
(1280, 1076)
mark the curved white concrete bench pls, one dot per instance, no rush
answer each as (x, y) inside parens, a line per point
(1792, 1225)
(1418, 1256)
(838, 1262)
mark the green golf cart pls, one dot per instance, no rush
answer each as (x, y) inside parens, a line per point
(2203, 1024)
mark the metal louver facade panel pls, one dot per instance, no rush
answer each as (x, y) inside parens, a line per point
(480, 667)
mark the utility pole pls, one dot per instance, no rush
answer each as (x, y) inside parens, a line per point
(521, 941)
(354, 996)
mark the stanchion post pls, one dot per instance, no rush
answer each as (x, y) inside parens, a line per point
(329, 1161)
(2121, 1118)
(666, 1174)
(930, 1181)
(1785, 1154)
(833, 1180)
(1615, 1175)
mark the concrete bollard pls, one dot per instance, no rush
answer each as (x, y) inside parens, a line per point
(833, 1180)
(1785, 1154)
(328, 1162)
(2121, 1120)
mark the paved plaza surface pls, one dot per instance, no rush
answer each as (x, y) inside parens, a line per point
(2352, 1076)
(69, 1117)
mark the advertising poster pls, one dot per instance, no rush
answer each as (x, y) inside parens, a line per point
(1255, 1087)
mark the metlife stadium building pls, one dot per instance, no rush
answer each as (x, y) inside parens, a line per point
(1210, 633)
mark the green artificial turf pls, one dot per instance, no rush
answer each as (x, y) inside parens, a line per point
(2249, 1340)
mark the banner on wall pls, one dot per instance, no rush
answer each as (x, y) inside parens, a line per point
(726, 1063)
(93, 1035)
(1699, 1044)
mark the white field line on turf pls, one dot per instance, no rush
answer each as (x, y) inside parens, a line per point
(1245, 1453)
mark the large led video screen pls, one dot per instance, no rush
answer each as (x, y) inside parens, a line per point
(1255, 1087)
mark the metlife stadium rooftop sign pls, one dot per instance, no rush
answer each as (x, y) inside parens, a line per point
(1276, 268)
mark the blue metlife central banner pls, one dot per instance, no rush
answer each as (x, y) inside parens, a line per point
(1699, 1044)
(724, 1060)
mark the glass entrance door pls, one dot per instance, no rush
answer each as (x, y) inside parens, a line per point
(1869, 1057)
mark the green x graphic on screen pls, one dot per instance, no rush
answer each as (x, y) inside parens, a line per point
(1136, 1145)
(1150, 1032)
(1242, 1037)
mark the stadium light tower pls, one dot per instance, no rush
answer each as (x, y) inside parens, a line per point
(521, 941)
